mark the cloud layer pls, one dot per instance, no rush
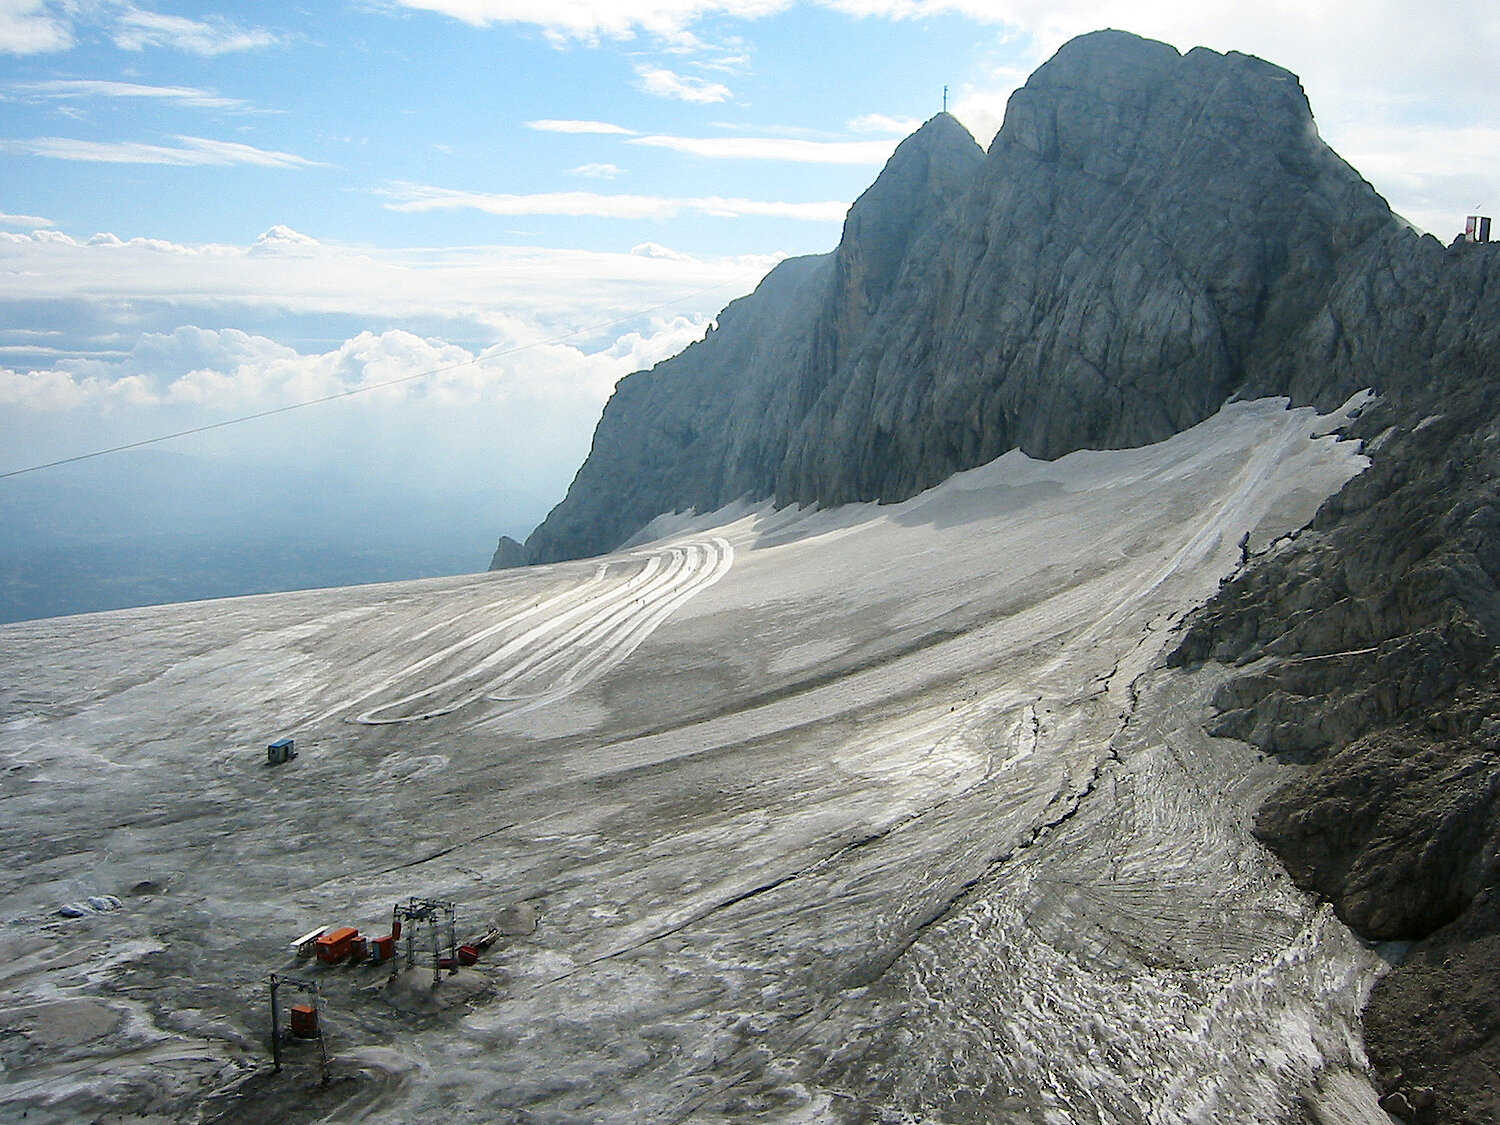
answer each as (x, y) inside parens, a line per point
(391, 404)
(78, 88)
(94, 294)
(591, 20)
(30, 27)
(137, 29)
(507, 353)
(419, 197)
(188, 152)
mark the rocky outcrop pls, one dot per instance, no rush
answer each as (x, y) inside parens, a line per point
(1369, 649)
(713, 424)
(1148, 234)
(696, 430)
(508, 554)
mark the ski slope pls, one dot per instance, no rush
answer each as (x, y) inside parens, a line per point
(873, 813)
(560, 644)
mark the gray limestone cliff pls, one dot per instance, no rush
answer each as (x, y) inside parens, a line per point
(714, 423)
(508, 553)
(1148, 234)
(1368, 650)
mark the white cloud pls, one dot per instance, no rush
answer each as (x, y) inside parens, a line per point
(66, 88)
(727, 63)
(29, 27)
(880, 123)
(284, 240)
(592, 20)
(232, 370)
(136, 29)
(34, 26)
(551, 126)
(657, 250)
(595, 171)
(665, 84)
(483, 294)
(191, 151)
(419, 198)
(25, 221)
(776, 148)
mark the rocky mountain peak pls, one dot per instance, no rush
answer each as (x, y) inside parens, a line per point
(931, 167)
(1098, 84)
(1149, 233)
(1201, 137)
(929, 171)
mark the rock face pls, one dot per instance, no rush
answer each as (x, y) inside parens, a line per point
(1148, 234)
(508, 553)
(714, 423)
(1369, 653)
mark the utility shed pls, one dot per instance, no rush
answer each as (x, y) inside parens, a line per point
(335, 945)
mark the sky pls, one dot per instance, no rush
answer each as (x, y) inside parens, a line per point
(501, 207)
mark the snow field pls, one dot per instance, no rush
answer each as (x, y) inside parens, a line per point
(868, 813)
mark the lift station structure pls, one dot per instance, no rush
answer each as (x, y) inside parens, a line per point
(437, 916)
(306, 1021)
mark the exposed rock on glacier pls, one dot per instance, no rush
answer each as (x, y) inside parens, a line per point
(508, 553)
(1368, 651)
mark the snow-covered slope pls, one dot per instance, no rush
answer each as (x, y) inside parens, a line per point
(867, 813)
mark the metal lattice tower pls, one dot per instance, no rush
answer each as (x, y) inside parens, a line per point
(434, 913)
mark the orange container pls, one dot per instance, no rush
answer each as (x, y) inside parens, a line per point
(382, 948)
(467, 954)
(333, 946)
(304, 1021)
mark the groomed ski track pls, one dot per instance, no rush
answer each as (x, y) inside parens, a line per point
(558, 645)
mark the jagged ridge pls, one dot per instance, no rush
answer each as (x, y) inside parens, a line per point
(713, 424)
(1148, 234)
